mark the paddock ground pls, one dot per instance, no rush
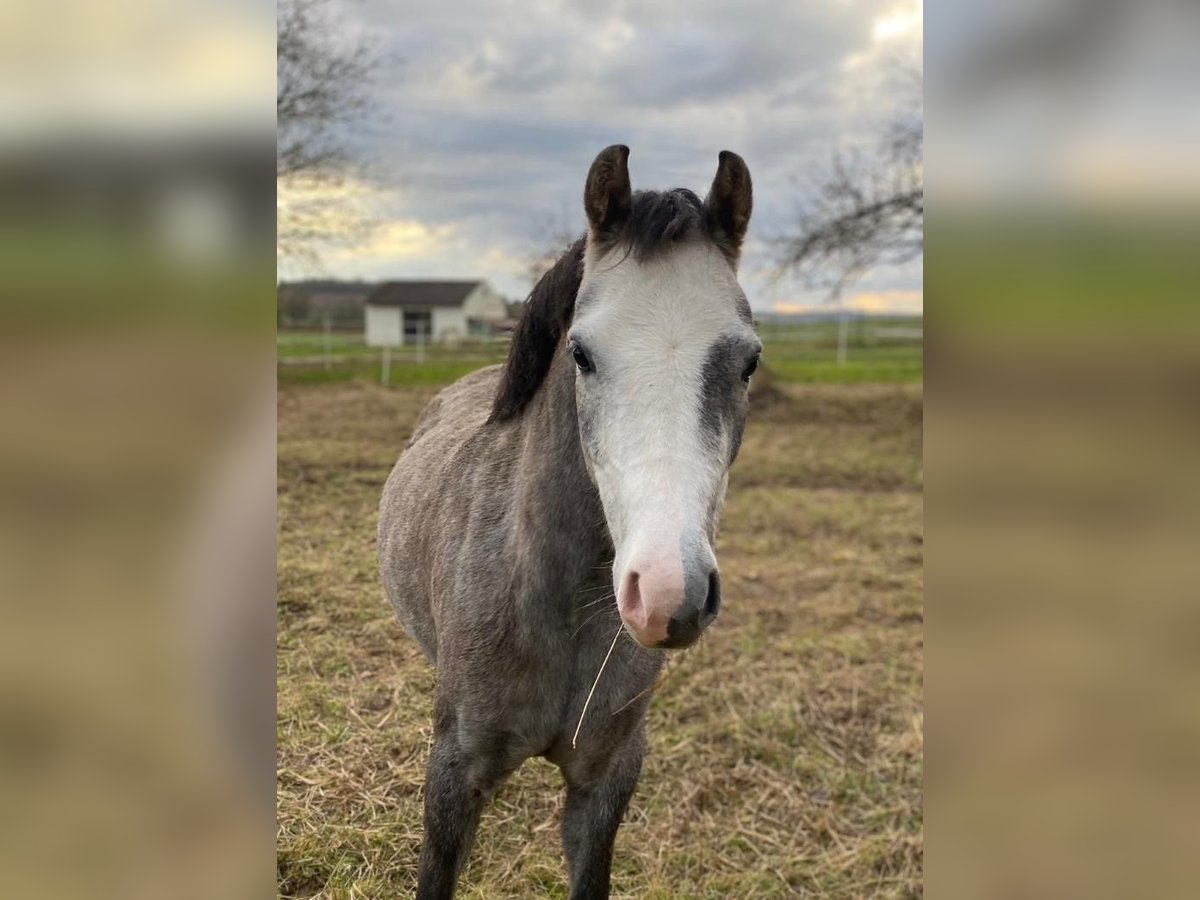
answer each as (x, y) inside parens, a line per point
(785, 750)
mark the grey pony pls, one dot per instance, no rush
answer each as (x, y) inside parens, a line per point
(495, 552)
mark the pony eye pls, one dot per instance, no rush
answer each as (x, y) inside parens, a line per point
(581, 358)
(750, 369)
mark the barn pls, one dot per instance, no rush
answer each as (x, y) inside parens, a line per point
(409, 312)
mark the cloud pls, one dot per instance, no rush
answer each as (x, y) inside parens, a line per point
(902, 22)
(492, 112)
(400, 240)
(894, 302)
(887, 302)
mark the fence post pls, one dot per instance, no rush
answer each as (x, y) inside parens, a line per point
(385, 374)
(328, 351)
(841, 350)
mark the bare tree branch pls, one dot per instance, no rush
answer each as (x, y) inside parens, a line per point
(551, 235)
(323, 88)
(865, 212)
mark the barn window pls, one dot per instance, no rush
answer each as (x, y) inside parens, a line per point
(417, 324)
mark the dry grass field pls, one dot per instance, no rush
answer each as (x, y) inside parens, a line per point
(785, 750)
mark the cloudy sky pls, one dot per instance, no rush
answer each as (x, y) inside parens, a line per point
(490, 112)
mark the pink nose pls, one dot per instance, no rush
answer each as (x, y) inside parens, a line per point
(663, 606)
(647, 600)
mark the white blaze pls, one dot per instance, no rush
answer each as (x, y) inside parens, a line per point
(648, 328)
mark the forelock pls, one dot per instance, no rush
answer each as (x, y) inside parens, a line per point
(662, 219)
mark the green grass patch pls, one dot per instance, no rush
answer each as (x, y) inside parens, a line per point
(866, 371)
(804, 354)
(863, 367)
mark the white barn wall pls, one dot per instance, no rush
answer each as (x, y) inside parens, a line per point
(385, 326)
(484, 303)
(449, 323)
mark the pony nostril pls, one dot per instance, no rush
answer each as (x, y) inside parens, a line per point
(712, 603)
(633, 595)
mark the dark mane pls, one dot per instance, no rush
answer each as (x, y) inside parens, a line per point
(660, 219)
(545, 320)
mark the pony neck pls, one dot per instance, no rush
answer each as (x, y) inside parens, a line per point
(560, 517)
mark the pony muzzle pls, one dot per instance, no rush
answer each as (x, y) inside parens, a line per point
(665, 603)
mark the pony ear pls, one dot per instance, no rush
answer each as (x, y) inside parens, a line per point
(728, 205)
(607, 196)
(537, 337)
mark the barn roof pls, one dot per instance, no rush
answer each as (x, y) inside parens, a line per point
(421, 293)
(325, 286)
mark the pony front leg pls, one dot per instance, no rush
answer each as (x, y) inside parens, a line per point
(458, 783)
(598, 791)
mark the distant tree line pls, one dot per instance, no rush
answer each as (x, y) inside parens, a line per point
(300, 308)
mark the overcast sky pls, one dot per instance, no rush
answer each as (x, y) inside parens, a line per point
(489, 114)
